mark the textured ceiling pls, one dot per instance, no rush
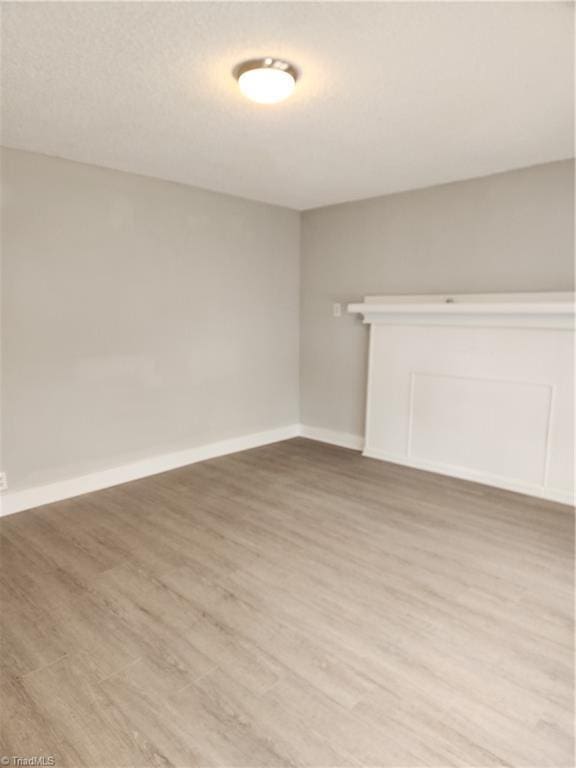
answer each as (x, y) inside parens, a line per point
(393, 96)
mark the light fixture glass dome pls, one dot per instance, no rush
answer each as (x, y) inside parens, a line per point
(266, 81)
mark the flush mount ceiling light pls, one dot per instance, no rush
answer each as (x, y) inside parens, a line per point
(266, 81)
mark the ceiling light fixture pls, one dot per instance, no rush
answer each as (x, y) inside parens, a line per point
(266, 81)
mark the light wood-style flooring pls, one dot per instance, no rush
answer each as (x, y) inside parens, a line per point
(293, 605)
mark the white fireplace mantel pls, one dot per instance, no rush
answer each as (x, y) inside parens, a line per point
(512, 310)
(476, 386)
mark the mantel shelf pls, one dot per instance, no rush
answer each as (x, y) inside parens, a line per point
(545, 310)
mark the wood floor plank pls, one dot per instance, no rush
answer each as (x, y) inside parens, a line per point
(259, 724)
(292, 605)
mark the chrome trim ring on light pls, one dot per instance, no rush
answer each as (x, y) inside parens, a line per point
(266, 63)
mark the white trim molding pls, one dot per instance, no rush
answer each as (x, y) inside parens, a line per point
(16, 501)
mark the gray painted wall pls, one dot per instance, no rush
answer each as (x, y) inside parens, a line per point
(509, 232)
(139, 317)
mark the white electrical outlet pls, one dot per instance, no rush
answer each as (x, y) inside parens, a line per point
(336, 310)
(3, 481)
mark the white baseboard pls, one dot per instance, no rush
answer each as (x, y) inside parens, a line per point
(343, 439)
(16, 501)
(495, 481)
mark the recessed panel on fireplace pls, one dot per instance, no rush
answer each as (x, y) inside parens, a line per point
(484, 425)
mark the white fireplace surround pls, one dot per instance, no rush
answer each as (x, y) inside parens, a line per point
(476, 386)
